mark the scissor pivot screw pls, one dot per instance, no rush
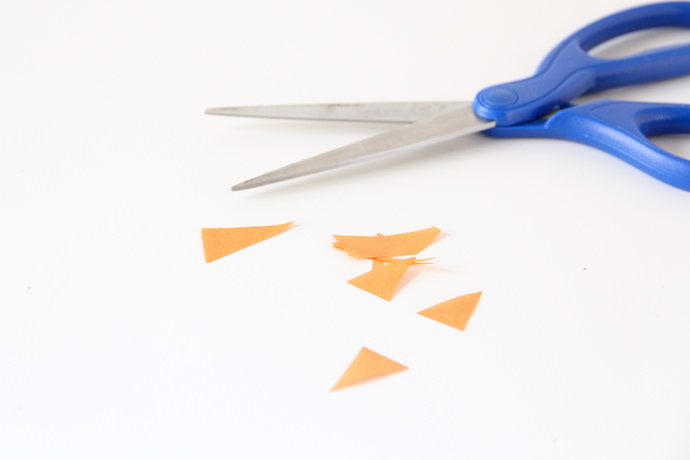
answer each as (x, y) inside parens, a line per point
(498, 97)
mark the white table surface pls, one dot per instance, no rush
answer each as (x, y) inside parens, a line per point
(117, 340)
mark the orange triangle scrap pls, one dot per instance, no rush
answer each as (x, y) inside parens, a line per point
(367, 365)
(403, 244)
(455, 312)
(384, 277)
(219, 242)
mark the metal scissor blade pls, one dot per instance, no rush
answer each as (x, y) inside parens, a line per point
(392, 112)
(457, 122)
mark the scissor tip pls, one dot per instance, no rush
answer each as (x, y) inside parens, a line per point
(232, 111)
(251, 183)
(260, 181)
(238, 187)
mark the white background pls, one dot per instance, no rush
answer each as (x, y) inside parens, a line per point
(117, 340)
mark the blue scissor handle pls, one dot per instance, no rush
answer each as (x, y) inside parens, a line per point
(569, 71)
(620, 128)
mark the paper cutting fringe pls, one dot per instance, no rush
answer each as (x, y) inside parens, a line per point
(402, 244)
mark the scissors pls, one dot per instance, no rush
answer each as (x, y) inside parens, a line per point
(539, 106)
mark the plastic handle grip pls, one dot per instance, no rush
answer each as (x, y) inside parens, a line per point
(620, 128)
(569, 71)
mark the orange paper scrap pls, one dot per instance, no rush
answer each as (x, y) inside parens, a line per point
(366, 366)
(415, 262)
(219, 242)
(403, 244)
(455, 312)
(384, 277)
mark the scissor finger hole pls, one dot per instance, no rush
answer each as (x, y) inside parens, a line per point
(640, 41)
(677, 144)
